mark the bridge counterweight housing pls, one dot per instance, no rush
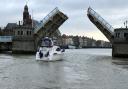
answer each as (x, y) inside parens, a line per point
(120, 43)
(118, 38)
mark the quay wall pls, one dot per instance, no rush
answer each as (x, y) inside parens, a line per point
(120, 50)
(23, 45)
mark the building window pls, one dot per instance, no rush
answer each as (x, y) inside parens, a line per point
(21, 32)
(27, 33)
(125, 34)
(117, 35)
(30, 32)
(18, 32)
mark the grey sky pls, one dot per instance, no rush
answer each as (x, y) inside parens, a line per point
(114, 11)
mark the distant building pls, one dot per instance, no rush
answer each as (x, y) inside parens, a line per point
(27, 21)
(64, 40)
(69, 40)
(101, 43)
(8, 30)
(83, 42)
(76, 41)
(23, 34)
(24, 29)
(107, 45)
(80, 42)
(93, 43)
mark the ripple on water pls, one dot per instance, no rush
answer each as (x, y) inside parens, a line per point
(80, 69)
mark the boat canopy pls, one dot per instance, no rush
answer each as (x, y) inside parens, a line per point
(47, 42)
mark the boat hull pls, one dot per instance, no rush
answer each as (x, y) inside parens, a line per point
(55, 57)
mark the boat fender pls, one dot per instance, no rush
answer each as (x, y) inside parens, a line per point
(63, 50)
(47, 54)
(55, 53)
(41, 54)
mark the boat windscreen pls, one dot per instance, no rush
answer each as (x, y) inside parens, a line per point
(46, 43)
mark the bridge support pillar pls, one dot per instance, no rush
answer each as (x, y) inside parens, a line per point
(23, 45)
(5, 46)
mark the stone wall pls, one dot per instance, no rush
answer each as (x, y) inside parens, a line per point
(23, 40)
(120, 50)
(23, 46)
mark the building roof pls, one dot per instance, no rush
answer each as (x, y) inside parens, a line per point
(35, 23)
(11, 25)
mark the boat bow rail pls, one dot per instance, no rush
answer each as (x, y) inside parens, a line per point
(101, 24)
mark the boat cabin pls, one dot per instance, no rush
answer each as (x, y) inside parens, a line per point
(47, 42)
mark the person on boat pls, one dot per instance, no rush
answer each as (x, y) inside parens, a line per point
(41, 54)
(63, 50)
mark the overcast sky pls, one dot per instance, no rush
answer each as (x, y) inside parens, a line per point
(114, 11)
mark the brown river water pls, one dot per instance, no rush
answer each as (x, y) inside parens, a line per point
(80, 69)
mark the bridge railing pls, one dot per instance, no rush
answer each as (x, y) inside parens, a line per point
(100, 20)
(6, 38)
(46, 19)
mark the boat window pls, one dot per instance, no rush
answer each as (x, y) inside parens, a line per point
(47, 43)
(58, 49)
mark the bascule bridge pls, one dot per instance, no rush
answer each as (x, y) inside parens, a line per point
(26, 36)
(118, 37)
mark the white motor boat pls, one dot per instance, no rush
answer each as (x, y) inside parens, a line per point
(48, 51)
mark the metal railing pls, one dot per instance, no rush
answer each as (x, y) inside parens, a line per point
(6, 38)
(100, 20)
(46, 19)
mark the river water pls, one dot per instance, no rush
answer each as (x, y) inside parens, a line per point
(80, 69)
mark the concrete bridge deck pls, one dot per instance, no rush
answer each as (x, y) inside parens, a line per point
(51, 18)
(101, 24)
(49, 25)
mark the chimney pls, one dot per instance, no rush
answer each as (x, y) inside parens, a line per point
(19, 23)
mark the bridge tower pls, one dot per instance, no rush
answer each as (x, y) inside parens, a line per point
(26, 17)
(23, 39)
